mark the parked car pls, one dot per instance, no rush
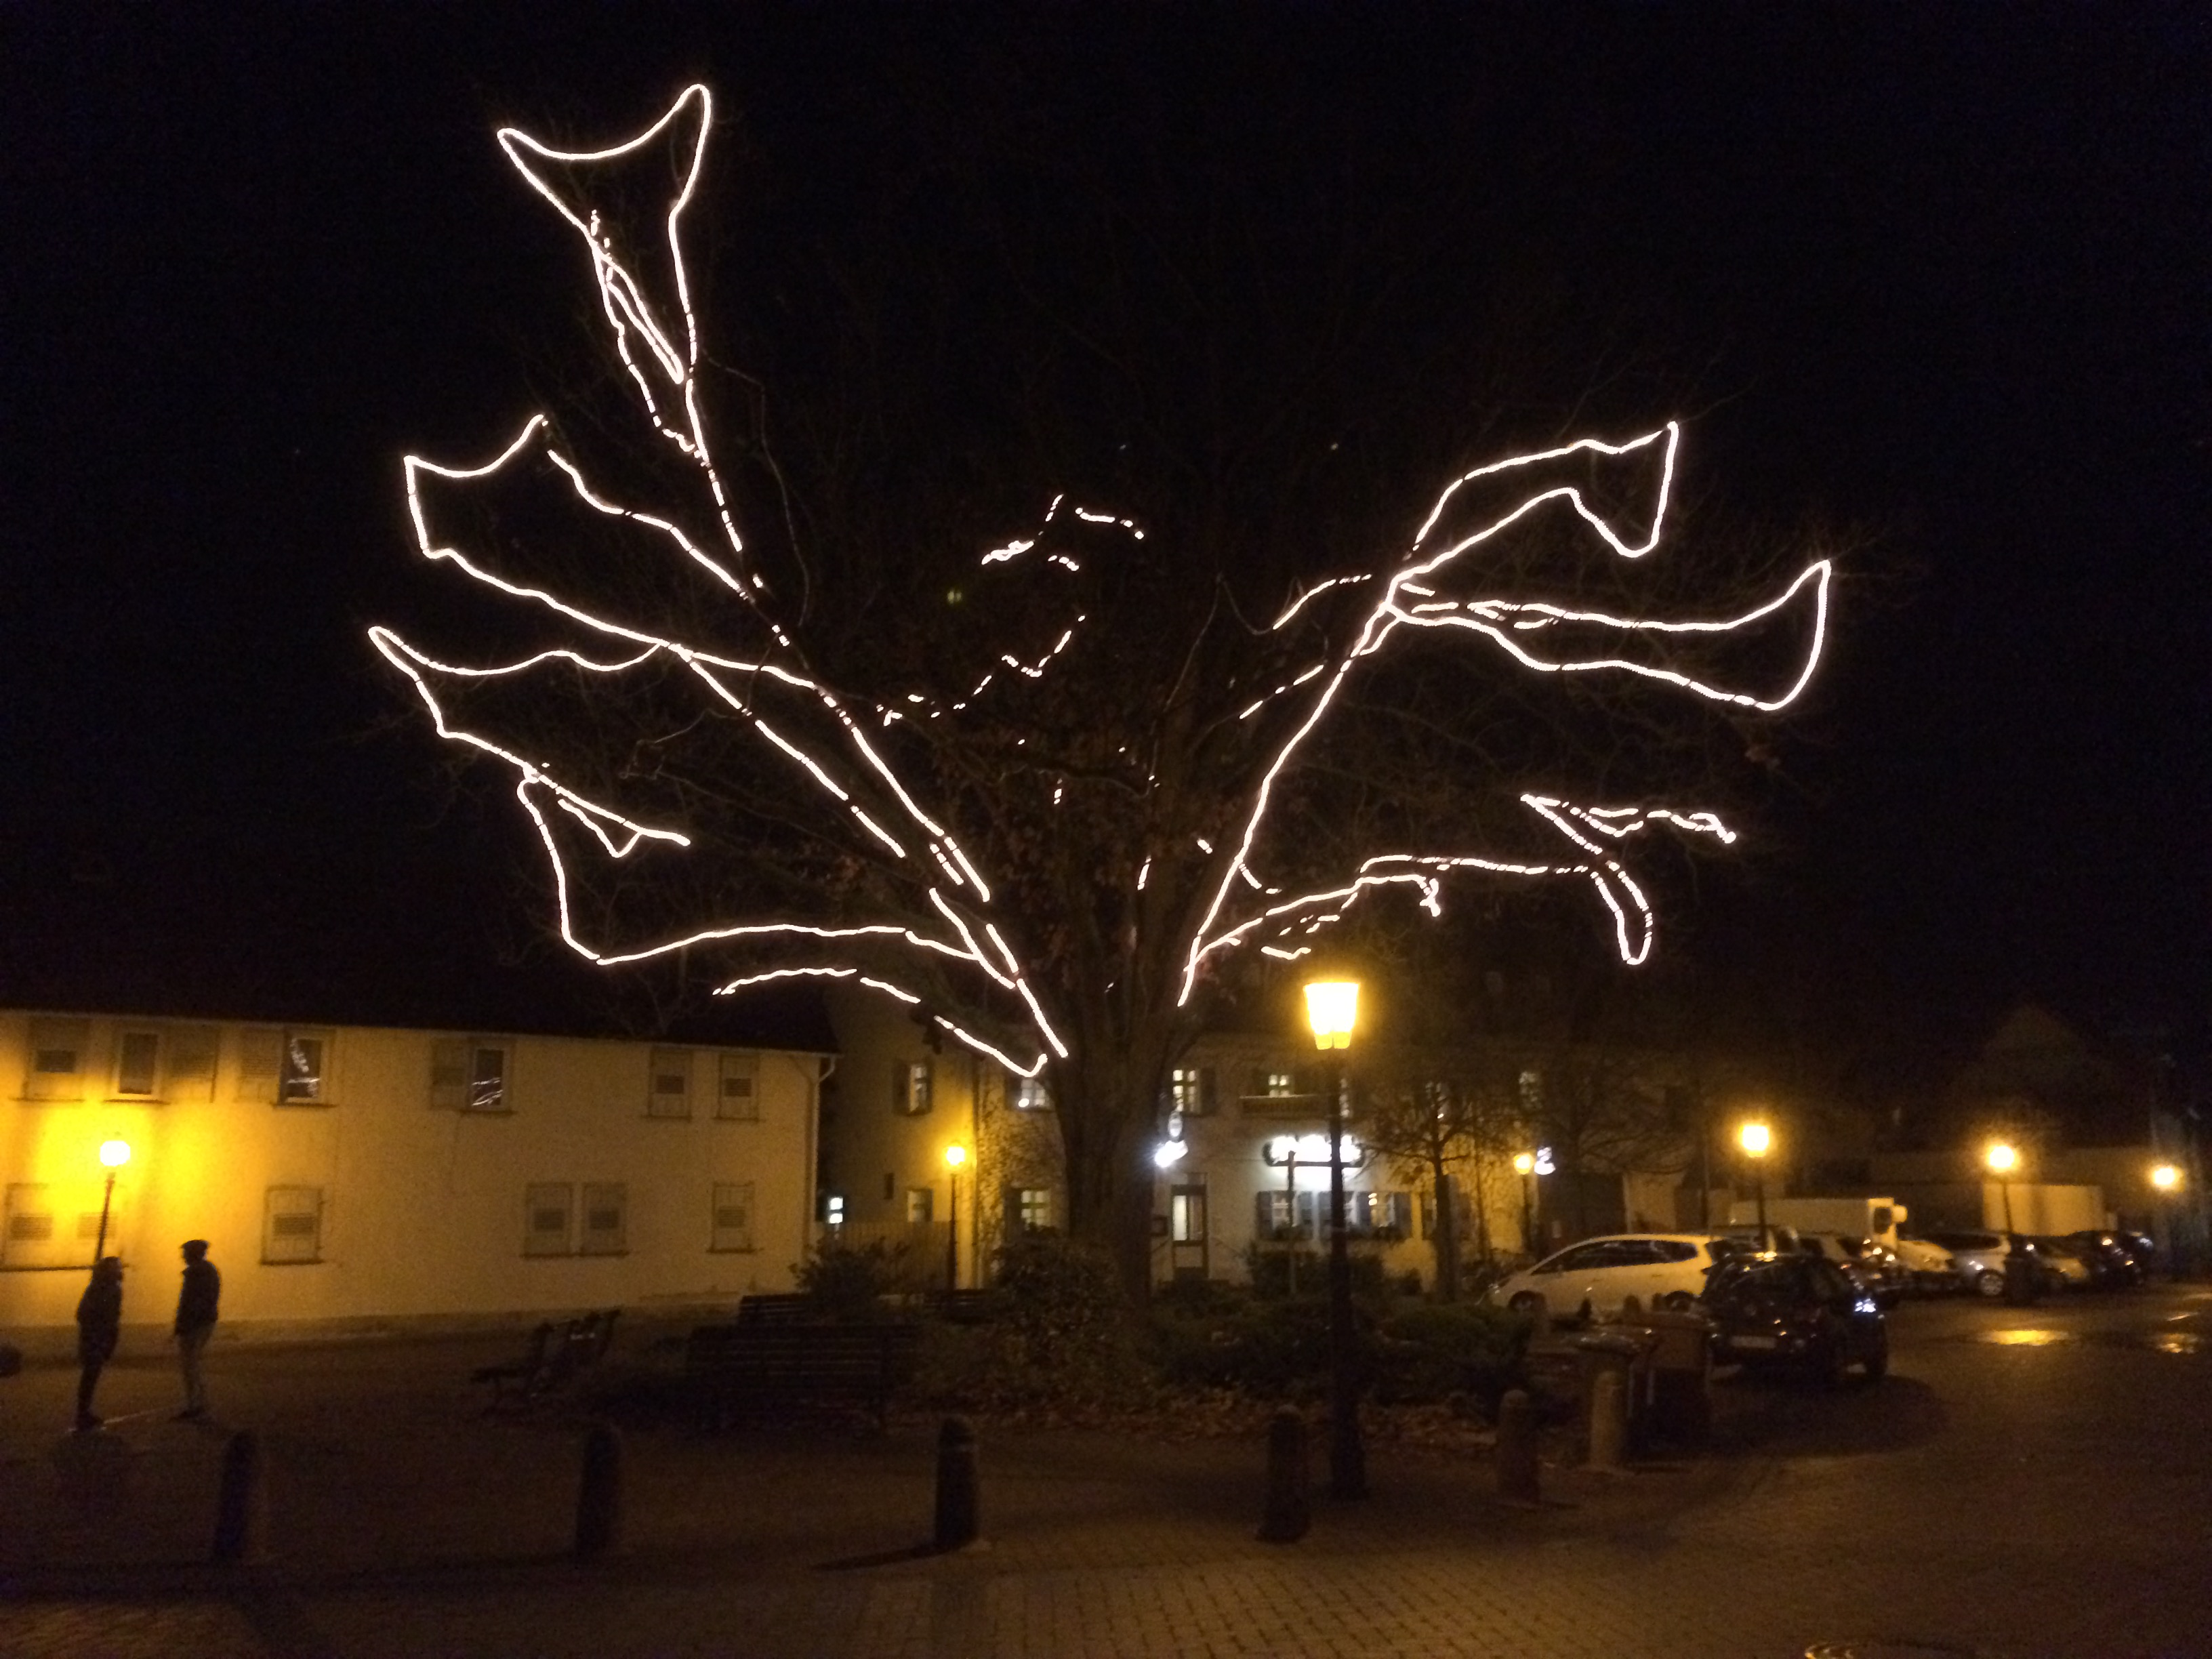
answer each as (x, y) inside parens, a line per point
(1885, 1276)
(1978, 1257)
(1795, 1310)
(2065, 1267)
(1597, 1275)
(2110, 1261)
(1934, 1271)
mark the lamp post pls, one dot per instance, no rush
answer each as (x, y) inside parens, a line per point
(114, 1154)
(2022, 1280)
(1332, 1005)
(954, 1156)
(1524, 1166)
(2165, 1181)
(1755, 1137)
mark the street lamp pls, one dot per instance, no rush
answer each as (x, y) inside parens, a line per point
(2022, 1276)
(2003, 1160)
(2166, 1179)
(954, 1156)
(1332, 1008)
(1524, 1166)
(114, 1154)
(1755, 1137)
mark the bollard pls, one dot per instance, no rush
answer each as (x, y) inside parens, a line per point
(1517, 1479)
(241, 1505)
(599, 1494)
(1289, 1510)
(1608, 1420)
(959, 1501)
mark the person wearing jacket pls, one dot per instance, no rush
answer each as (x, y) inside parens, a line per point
(196, 1314)
(99, 1325)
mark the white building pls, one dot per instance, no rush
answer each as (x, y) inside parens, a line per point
(349, 1175)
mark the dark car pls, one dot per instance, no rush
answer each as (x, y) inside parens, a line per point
(1796, 1312)
(2111, 1263)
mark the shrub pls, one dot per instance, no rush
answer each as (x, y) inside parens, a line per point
(848, 1282)
(1433, 1353)
(1060, 1337)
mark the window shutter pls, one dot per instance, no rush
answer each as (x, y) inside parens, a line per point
(737, 1096)
(545, 1207)
(137, 1064)
(449, 1074)
(57, 1058)
(488, 1077)
(291, 1226)
(734, 1216)
(260, 1060)
(605, 1229)
(191, 1063)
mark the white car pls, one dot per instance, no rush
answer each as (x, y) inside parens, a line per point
(1931, 1265)
(1597, 1275)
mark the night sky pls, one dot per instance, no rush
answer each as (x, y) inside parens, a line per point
(1940, 273)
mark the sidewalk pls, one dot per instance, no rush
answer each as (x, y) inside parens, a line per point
(405, 1522)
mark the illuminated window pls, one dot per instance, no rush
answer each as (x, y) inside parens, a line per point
(1186, 1215)
(606, 1230)
(304, 1081)
(1282, 1216)
(670, 1095)
(734, 1216)
(737, 1096)
(1030, 1095)
(833, 1209)
(137, 1064)
(1191, 1090)
(1029, 1210)
(468, 1074)
(911, 1087)
(1276, 1084)
(57, 1052)
(921, 1206)
(547, 1206)
(291, 1226)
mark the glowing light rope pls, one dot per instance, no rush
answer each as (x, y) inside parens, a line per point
(655, 335)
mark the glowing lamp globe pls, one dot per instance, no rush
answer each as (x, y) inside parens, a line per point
(1755, 1139)
(2002, 1158)
(1523, 1163)
(2166, 1177)
(955, 1156)
(1332, 1005)
(115, 1153)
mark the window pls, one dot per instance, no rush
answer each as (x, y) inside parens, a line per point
(833, 1209)
(921, 1206)
(1030, 1095)
(1282, 1216)
(29, 1240)
(137, 1064)
(734, 1216)
(670, 1095)
(291, 1226)
(546, 1207)
(57, 1050)
(1275, 1084)
(1029, 1210)
(468, 1074)
(1186, 1215)
(1191, 1090)
(910, 1087)
(289, 1068)
(1380, 1215)
(606, 1215)
(737, 1097)
(304, 1081)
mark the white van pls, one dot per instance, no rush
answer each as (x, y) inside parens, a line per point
(1597, 1275)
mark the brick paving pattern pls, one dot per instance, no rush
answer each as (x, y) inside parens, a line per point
(2030, 1499)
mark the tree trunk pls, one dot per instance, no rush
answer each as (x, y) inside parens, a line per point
(1447, 1238)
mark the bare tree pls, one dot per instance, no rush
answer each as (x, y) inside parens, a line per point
(1049, 803)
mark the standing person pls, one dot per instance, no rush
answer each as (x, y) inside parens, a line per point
(98, 1324)
(195, 1305)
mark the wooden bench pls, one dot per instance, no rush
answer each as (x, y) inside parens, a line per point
(793, 1308)
(740, 1372)
(556, 1354)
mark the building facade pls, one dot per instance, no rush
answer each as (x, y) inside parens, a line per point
(352, 1175)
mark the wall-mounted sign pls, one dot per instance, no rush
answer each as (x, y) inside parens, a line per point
(1282, 1151)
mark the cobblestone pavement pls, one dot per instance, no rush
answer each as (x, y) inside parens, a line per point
(2028, 1484)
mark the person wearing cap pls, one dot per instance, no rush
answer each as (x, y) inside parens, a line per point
(99, 1325)
(196, 1314)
